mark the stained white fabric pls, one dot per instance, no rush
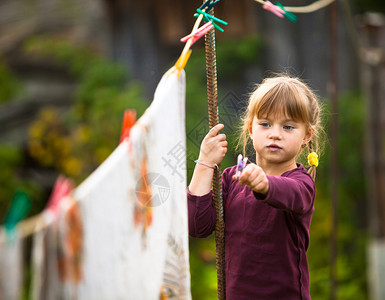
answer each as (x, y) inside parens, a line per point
(131, 221)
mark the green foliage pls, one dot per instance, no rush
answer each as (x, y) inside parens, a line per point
(234, 56)
(351, 234)
(9, 84)
(71, 142)
(203, 269)
(11, 161)
(77, 142)
(77, 58)
(11, 157)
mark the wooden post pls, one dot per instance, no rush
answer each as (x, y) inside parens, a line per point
(373, 78)
(333, 91)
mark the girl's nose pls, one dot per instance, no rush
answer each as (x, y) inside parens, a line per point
(275, 133)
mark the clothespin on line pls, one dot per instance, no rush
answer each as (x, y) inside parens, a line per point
(19, 208)
(60, 193)
(288, 15)
(304, 9)
(183, 58)
(129, 119)
(196, 35)
(62, 188)
(208, 18)
(279, 12)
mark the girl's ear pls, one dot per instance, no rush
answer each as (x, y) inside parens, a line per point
(250, 129)
(308, 136)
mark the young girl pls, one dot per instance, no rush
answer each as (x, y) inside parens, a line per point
(267, 213)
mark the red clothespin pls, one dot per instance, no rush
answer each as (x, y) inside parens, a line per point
(62, 188)
(129, 120)
(196, 35)
(274, 9)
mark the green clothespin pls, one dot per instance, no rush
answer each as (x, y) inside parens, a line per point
(18, 210)
(207, 17)
(289, 15)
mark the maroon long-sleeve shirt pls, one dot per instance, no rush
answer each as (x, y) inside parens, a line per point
(266, 237)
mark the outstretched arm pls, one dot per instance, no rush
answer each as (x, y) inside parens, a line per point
(294, 194)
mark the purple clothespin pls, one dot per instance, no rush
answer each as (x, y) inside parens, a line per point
(274, 9)
(241, 164)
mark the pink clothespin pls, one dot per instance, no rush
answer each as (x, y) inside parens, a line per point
(274, 9)
(63, 187)
(196, 35)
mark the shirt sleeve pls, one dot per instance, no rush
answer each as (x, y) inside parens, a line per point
(201, 214)
(201, 210)
(295, 194)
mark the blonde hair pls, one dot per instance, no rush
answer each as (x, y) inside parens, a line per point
(292, 97)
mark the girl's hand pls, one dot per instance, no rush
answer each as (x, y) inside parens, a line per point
(214, 146)
(255, 178)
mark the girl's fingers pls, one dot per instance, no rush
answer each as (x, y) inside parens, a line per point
(214, 131)
(221, 137)
(250, 174)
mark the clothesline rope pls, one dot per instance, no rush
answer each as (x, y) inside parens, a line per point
(304, 9)
(212, 99)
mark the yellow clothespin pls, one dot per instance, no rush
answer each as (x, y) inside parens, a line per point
(184, 57)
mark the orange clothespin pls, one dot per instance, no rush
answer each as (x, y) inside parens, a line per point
(274, 9)
(196, 35)
(129, 120)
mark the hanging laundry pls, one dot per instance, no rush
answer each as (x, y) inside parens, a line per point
(11, 248)
(127, 235)
(11, 265)
(57, 253)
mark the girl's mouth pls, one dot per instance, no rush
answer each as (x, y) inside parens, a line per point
(274, 147)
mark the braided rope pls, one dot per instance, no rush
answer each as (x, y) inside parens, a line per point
(212, 95)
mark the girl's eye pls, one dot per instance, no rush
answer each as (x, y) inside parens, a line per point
(288, 127)
(264, 124)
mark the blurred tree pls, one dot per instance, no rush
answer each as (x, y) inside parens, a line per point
(77, 142)
(71, 142)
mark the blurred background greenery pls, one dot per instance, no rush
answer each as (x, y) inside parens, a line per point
(75, 141)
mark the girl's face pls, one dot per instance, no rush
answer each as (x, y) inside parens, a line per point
(277, 140)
